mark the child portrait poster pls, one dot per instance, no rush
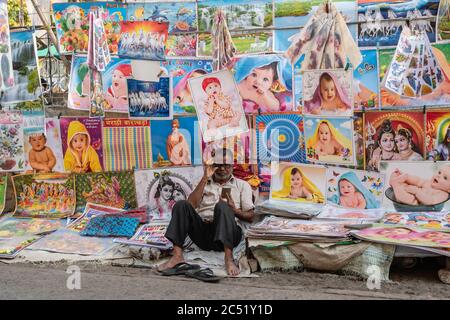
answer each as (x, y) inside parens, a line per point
(49, 195)
(355, 189)
(393, 136)
(218, 105)
(3, 187)
(176, 142)
(53, 136)
(328, 92)
(88, 132)
(160, 189)
(12, 157)
(295, 182)
(264, 82)
(114, 84)
(329, 140)
(437, 135)
(181, 70)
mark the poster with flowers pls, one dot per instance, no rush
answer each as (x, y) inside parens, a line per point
(11, 141)
(72, 25)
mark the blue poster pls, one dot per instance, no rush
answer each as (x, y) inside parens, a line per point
(149, 99)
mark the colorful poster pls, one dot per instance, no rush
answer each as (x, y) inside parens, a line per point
(299, 183)
(82, 144)
(10, 247)
(295, 14)
(159, 190)
(91, 210)
(351, 215)
(329, 140)
(328, 92)
(354, 188)
(358, 133)
(3, 188)
(264, 83)
(50, 196)
(12, 157)
(149, 235)
(126, 144)
(176, 142)
(72, 24)
(150, 99)
(53, 142)
(365, 82)
(393, 136)
(27, 85)
(428, 220)
(381, 22)
(240, 15)
(442, 20)
(218, 105)
(181, 16)
(181, 70)
(112, 189)
(114, 80)
(6, 74)
(439, 96)
(143, 40)
(438, 135)
(14, 227)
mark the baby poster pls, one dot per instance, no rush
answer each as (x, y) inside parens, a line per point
(429, 220)
(82, 144)
(143, 40)
(218, 105)
(328, 92)
(329, 140)
(295, 182)
(416, 183)
(159, 190)
(12, 157)
(437, 135)
(181, 16)
(72, 24)
(6, 75)
(150, 99)
(176, 142)
(365, 82)
(114, 84)
(53, 141)
(354, 188)
(50, 195)
(264, 82)
(393, 136)
(181, 70)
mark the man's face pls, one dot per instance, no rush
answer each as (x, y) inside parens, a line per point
(223, 171)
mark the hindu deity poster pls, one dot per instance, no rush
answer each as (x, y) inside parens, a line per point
(437, 135)
(18, 227)
(48, 196)
(329, 140)
(181, 70)
(81, 140)
(12, 157)
(181, 16)
(264, 82)
(240, 15)
(354, 188)
(143, 40)
(27, 85)
(112, 189)
(413, 184)
(53, 142)
(295, 14)
(393, 136)
(328, 92)
(381, 23)
(150, 99)
(3, 188)
(176, 142)
(6, 74)
(159, 190)
(299, 183)
(114, 80)
(428, 220)
(218, 105)
(72, 24)
(126, 144)
(436, 93)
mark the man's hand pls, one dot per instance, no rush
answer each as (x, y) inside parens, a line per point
(209, 171)
(230, 202)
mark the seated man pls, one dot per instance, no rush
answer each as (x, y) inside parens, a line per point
(211, 221)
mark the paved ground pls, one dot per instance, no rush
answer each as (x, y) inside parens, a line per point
(106, 282)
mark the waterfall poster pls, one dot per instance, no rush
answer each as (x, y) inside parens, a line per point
(27, 86)
(6, 74)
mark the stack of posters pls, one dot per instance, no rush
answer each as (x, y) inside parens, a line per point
(149, 235)
(10, 247)
(278, 208)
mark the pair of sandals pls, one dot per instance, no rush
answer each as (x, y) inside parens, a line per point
(191, 271)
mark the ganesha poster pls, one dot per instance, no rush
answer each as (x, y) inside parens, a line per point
(72, 24)
(437, 135)
(114, 80)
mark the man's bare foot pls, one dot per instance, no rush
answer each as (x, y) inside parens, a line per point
(231, 267)
(172, 262)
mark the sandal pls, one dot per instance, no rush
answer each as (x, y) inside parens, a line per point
(206, 275)
(179, 269)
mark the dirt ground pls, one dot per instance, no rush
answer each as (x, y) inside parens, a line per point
(27, 281)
